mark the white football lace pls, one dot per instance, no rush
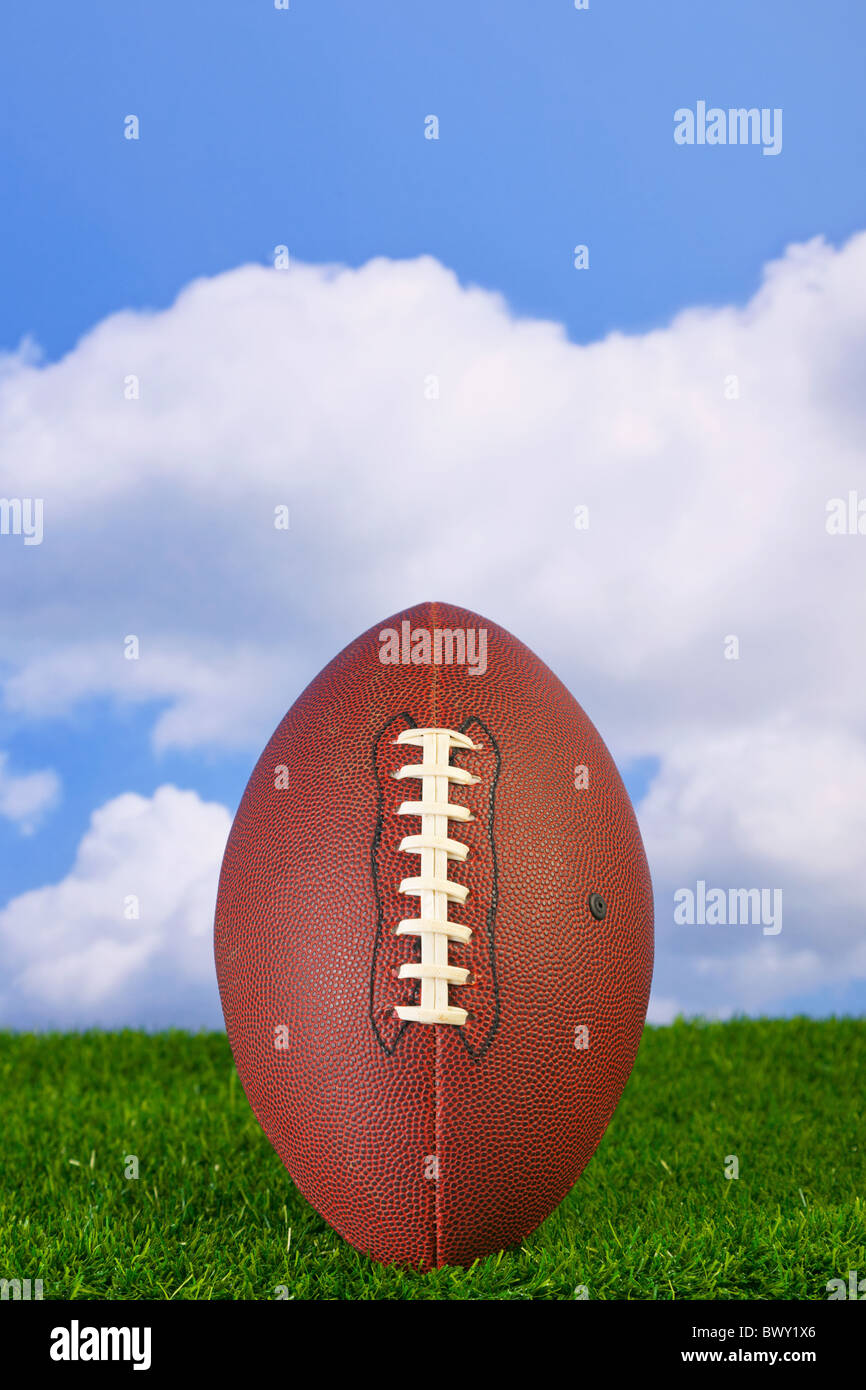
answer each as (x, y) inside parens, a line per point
(433, 886)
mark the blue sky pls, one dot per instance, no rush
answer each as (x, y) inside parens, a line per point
(302, 127)
(305, 127)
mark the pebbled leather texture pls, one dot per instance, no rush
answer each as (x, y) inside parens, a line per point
(478, 873)
(434, 1144)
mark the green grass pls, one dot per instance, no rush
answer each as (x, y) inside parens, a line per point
(653, 1217)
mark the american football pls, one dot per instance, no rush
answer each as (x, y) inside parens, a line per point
(434, 939)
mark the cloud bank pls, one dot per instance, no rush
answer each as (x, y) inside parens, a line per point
(425, 442)
(125, 938)
(26, 798)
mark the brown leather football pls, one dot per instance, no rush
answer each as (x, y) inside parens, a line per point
(434, 939)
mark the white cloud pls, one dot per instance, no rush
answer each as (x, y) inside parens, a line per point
(308, 388)
(311, 388)
(776, 805)
(26, 798)
(780, 794)
(70, 956)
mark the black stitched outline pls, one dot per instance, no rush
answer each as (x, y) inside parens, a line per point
(474, 1052)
